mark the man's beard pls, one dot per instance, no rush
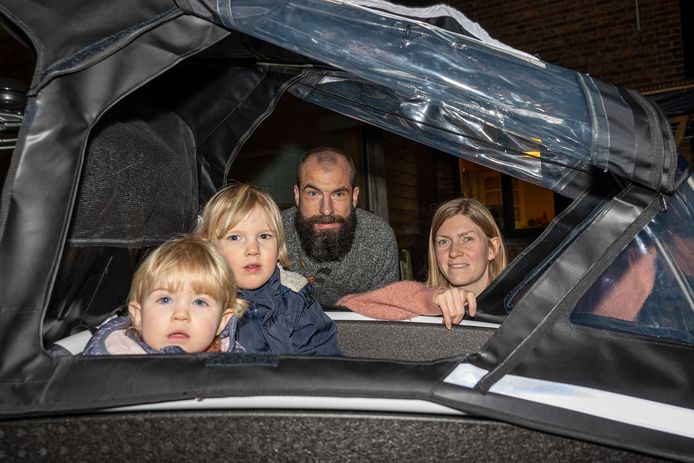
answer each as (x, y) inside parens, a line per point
(326, 245)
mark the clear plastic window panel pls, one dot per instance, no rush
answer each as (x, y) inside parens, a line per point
(648, 289)
(496, 107)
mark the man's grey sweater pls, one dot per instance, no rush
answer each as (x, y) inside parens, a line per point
(371, 263)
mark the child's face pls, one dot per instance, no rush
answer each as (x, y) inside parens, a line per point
(182, 317)
(250, 247)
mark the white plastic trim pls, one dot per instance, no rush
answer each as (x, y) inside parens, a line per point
(298, 403)
(609, 405)
(353, 316)
(75, 343)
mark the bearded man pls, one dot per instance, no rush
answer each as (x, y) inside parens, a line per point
(338, 247)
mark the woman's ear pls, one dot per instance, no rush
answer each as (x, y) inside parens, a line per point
(135, 311)
(226, 316)
(494, 245)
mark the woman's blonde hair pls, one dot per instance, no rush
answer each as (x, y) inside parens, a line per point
(481, 217)
(231, 204)
(188, 259)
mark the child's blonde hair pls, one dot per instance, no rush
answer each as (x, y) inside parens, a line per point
(480, 216)
(230, 205)
(188, 259)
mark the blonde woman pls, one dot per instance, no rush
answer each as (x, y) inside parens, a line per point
(466, 252)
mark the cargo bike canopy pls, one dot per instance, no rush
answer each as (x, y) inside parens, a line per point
(132, 122)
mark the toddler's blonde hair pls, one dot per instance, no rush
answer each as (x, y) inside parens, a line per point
(188, 259)
(231, 204)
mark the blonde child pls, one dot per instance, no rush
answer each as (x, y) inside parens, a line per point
(284, 316)
(182, 300)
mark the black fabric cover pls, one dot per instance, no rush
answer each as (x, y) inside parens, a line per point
(503, 293)
(549, 300)
(139, 185)
(222, 102)
(642, 147)
(53, 24)
(34, 221)
(85, 292)
(80, 76)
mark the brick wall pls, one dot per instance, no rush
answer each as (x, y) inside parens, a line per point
(604, 38)
(598, 37)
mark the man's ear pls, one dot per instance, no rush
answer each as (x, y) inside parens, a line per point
(355, 196)
(296, 195)
(135, 311)
(226, 316)
(494, 245)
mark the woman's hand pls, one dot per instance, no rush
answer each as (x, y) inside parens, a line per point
(452, 302)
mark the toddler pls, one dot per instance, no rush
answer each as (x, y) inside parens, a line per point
(182, 300)
(284, 316)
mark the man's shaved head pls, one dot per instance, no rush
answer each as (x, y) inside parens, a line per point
(329, 156)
